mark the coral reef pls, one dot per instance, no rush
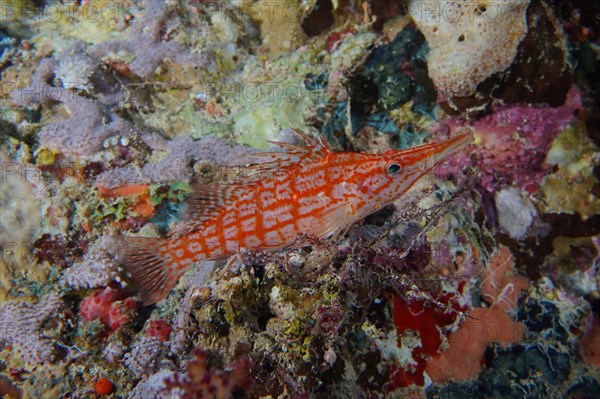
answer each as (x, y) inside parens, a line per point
(156, 386)
(19, 223)
(513, 142)
(159, 329)
(90, 120)
(21, 325)
(493, 53)
(515, 212)
(481, 281)
(175, 165)
(501, 289)
(425, 321)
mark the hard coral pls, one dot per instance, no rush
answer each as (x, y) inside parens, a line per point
(155, 386)
(96, 269)
(180, 153)
(504, 52)
(20, 325)
(145, 357)
(83, 134)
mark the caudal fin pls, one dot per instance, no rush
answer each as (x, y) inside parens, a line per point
(150, 264)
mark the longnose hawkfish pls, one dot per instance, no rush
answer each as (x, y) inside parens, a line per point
(299, 191)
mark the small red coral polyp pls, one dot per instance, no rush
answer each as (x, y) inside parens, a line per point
(103, 305)
(120, 313)
(160, 329)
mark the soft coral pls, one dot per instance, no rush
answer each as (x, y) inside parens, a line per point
(103, 305)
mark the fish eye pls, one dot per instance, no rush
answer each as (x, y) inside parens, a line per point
(393, 169)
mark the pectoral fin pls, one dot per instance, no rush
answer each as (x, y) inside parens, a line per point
(331, 223)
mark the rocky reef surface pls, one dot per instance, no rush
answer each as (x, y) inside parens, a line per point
(482, 281)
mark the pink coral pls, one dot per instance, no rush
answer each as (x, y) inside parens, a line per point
(514, 141)
(201, 382)
(103, 305)
(501, 288)
(95, 306)
(120, 313)
(160, 329)
(590, 342)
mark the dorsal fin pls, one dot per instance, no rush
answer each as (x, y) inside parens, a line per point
(205, 203)
(207, 200)
(291, 154)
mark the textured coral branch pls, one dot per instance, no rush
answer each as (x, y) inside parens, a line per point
(20, 325)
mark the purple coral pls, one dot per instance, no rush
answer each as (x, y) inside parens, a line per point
(20, 325)
(96, 269)
(113, 351)
(40, 89)
(514, 143)
(155, 386)
(91, 120)
(145, 357)
(175, 166)
(84, 133)
(148, 43)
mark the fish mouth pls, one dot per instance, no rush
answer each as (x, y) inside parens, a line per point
(444, 149)
(425, 157)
